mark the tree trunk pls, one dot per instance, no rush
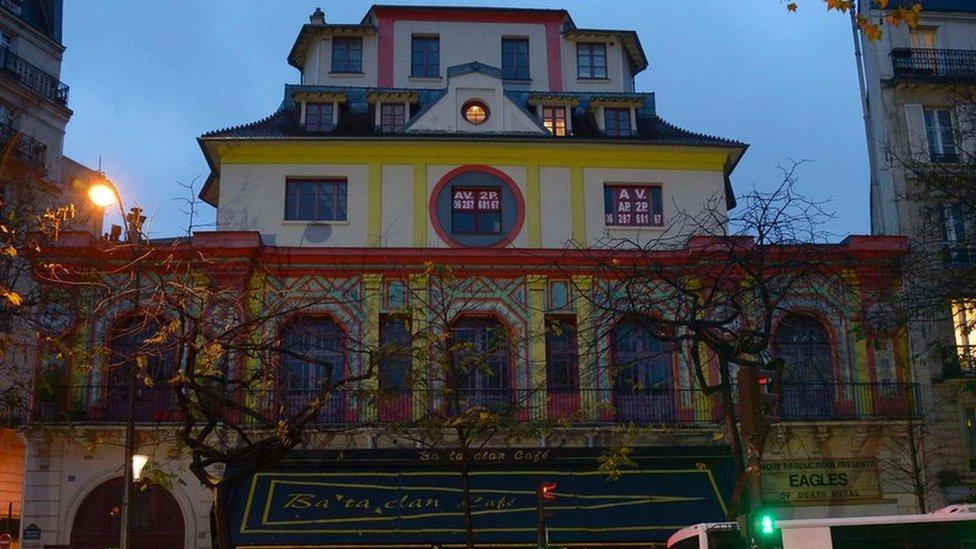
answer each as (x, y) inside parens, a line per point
(738, 457)
(221, 515)
(466, 500)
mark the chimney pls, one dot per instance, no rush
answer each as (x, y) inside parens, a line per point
(317, 17)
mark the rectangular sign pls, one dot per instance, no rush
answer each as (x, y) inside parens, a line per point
(481, 200)
(361, 501)
(633, 206)
(814, 482)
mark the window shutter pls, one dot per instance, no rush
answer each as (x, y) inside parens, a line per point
(966, 118)
(917, 141)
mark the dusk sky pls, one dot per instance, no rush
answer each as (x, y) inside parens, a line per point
(147, 78)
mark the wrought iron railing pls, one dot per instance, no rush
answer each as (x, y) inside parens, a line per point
(927, 63)
(33, 77)
(28, 150)
(664, 406)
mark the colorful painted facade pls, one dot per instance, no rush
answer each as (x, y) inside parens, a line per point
(510, 147)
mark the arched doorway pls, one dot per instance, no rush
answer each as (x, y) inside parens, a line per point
(157, 521)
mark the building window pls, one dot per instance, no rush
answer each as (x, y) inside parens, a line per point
(16, 6)
(958, 248)
(971, 436)
(396, 359)
(940, 135)
(633, 205)
(616, 121)
(5, 41)
(562, 371)
(476, 210)
(641, 365)
(481, 362)
(808, 371)
(392, 117)
(129, 352)
(425, 56)
(475, 112)
(554, 119)
(347, 54)
(591, 60)
(922, 38)
(313, 359)
(964, 326)
(318, 117)
(315, 200)
(515, 58)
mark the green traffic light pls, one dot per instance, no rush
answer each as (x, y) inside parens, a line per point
(766, 525)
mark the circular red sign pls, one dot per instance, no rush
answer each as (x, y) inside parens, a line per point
(5, 540)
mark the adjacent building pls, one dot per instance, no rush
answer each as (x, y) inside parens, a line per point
(919, 86)
(34, 175)
(512, 146)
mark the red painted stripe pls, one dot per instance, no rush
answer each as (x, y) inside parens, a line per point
(554, 57)
(384, 51)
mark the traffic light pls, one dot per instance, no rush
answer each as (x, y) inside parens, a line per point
(765, 532)
(758, 400)
(545, 493)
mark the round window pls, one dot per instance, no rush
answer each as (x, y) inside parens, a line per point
(475, 112)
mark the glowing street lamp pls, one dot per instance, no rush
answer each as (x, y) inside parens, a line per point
(139, 462)
(103, 195)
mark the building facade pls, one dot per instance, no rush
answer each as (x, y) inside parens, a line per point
(34, 175)
(919, 112)
(509, 149)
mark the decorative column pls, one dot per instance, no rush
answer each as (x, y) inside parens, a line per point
(372, 300)
(419, 325)
(536, 344)
(586, 342)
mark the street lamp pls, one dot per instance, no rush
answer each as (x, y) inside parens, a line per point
(104, 194)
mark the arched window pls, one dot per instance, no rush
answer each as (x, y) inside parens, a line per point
(801, 341)
(481, 361)
(642, 374)
(313, 358)
(808, 372)
(138, 353)
(157, 520)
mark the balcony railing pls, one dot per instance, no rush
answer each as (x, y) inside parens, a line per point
(668, 406)
(33, 77)
(28, 151)
(934, 64)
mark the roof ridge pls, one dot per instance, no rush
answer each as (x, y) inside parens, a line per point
(677, 128)
(214, 133)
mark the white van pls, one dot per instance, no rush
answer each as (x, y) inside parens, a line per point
(952, 527)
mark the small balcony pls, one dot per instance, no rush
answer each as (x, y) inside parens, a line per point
(27, 150)
(934, 64)
(667, 406)
(29, 75)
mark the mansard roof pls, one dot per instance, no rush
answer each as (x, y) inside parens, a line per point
(356, 119)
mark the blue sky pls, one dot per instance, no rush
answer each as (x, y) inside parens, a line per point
(147, 78)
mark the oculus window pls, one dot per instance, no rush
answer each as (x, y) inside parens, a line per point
(475, 112)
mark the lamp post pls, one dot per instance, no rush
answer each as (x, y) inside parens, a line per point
(103, 195)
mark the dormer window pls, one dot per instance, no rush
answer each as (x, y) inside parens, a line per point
(319, 117)
(616, 121)
(591, 61)
(347, 54)
(554, 119)
(392, 117)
